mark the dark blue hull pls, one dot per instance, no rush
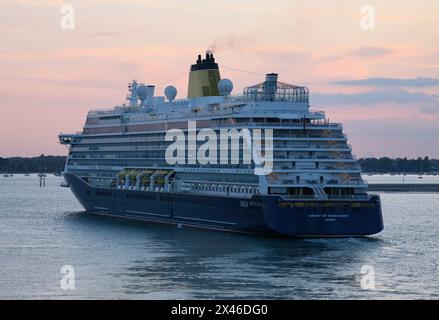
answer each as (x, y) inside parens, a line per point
(259, 215)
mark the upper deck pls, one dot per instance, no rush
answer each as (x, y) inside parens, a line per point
(269, 98)
(214, 105)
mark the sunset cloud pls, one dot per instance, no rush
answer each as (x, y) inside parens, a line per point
(371, 52)
(391, 82)
(375, 97)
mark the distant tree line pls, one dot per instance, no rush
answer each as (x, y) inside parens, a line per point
(46, 164)
(399, 165)
(52, 164)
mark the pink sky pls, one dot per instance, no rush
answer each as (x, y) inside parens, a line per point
(50, 78)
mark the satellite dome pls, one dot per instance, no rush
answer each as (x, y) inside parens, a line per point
(170, 93)
(225, 87)
(142, 92)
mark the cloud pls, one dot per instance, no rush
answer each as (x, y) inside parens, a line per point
(430, 109)
(391, 82)
(394, 137)
(371, 52)
(105, 34)
(125, 33)
(376, 97)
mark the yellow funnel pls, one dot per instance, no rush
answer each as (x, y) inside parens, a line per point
(204, 78)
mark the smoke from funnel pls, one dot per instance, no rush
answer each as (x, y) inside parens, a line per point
(211, 49)
(232, 41)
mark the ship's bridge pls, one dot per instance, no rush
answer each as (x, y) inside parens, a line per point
(67, 139)
(272, 90)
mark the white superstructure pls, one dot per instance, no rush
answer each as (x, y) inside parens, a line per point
(124, 147)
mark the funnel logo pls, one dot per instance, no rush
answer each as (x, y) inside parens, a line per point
(230, 147)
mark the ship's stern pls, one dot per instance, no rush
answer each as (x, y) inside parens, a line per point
(324, 218)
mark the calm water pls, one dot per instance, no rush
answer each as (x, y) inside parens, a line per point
(42, 229)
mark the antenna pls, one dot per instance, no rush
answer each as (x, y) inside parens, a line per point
(132, 96)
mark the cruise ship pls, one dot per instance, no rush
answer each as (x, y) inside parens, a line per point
(125, 162)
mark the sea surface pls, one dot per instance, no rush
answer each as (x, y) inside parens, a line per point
(44, 229)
